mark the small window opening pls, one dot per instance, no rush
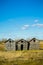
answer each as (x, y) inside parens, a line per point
(21, 41)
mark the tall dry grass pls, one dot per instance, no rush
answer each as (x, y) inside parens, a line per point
(31, 57)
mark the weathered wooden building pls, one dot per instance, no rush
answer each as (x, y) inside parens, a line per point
(10, 44)
(22, 44)
(34, 44)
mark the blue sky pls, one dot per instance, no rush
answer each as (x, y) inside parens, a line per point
(21, 19)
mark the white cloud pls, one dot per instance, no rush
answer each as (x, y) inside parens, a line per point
(33, 25)
(25, 27)
(36, 20)
(38, 24)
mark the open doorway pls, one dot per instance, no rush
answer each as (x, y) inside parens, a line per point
(28, 46)
(16, 47)
(21, 46)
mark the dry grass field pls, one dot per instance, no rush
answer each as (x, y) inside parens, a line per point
(31, 57)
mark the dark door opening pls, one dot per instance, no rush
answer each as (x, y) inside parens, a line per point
(28, 46)
(22, 47)
(16, 47)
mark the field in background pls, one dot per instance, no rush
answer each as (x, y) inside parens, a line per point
(41, 44)
(2, 47)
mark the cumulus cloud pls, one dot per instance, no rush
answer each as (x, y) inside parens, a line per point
(25, 27)
(36, 20)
